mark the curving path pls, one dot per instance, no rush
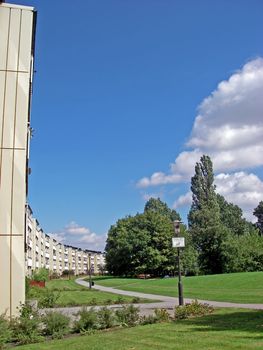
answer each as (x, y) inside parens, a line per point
(165, 301)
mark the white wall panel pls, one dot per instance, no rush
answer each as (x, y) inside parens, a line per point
(25, 41)
(5, 191)
(9, 109)
(19, 192)
(22, 99)
(5, 274)
(4, 26)
(14, 34)
(17, 271)
(2, 92)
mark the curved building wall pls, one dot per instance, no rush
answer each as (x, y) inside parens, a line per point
(43, 251)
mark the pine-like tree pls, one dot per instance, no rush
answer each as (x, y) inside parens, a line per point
(205, 225)
(258, 212)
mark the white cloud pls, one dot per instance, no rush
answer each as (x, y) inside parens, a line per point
(228, 127)
(245, 190)
(183, 200)
(159, 178)
(59, 237)
(74, 229)
(80, 236)
(97, 242)
(147, 196)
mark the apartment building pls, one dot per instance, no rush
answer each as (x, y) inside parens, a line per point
(17, 28)
(44, 251)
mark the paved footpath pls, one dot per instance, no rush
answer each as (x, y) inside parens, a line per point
(161, 301)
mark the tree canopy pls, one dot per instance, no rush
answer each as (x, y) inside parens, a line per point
(142, 243)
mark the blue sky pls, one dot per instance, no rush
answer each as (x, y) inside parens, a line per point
(116, 95)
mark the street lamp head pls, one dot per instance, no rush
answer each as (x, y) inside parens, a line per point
(176, 224)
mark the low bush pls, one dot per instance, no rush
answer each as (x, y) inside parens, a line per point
(119, 300)
(136, 300)
(26, 328)
(128, 315)
(150, 319)
(193, 309)
(88, 319)
(48, 298)
(106, 318)
(68, 273)
(5, 331)
(56, 324)
(93, 301)
(40, 275)
(162, 315)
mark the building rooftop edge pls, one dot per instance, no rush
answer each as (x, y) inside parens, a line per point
(15, 6)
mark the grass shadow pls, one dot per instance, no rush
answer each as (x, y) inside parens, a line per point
(229, 320)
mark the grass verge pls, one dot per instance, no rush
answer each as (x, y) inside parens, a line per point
(225, 329)
(244, 287)
(72, 294)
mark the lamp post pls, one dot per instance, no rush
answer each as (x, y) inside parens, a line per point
(90, 283)
(178, 242)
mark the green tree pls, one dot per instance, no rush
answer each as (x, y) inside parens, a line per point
(244, 253)
(156, 205)
(231, 216)
(118, 248)
(190, 264)
(258, 212)
(143, 243)
(205, 226)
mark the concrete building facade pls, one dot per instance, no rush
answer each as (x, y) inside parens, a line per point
(17, 25)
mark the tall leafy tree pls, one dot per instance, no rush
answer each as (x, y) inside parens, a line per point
(142, 243)
(258, 212)
(231, 216)
(206, 228)
(157, 206)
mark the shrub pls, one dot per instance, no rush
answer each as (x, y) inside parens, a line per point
(93, 301)
(136, 300)
(106, 318)
(108, 301)
(193, 309)
(150, 319)
(27, 285)
(119, 300)
(68, 273)
(56, 324)
(5, 331)
(54, 275)
(35, 292)
(162, 315)
(88, 320)
(48, 298)
(26, 328)
(128, 315)
(40, 275)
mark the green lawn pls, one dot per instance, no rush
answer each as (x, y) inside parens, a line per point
(244, 287)
(229, 329)
(72, 294)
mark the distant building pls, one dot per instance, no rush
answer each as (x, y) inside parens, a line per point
(44, 251)
(17, 30)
